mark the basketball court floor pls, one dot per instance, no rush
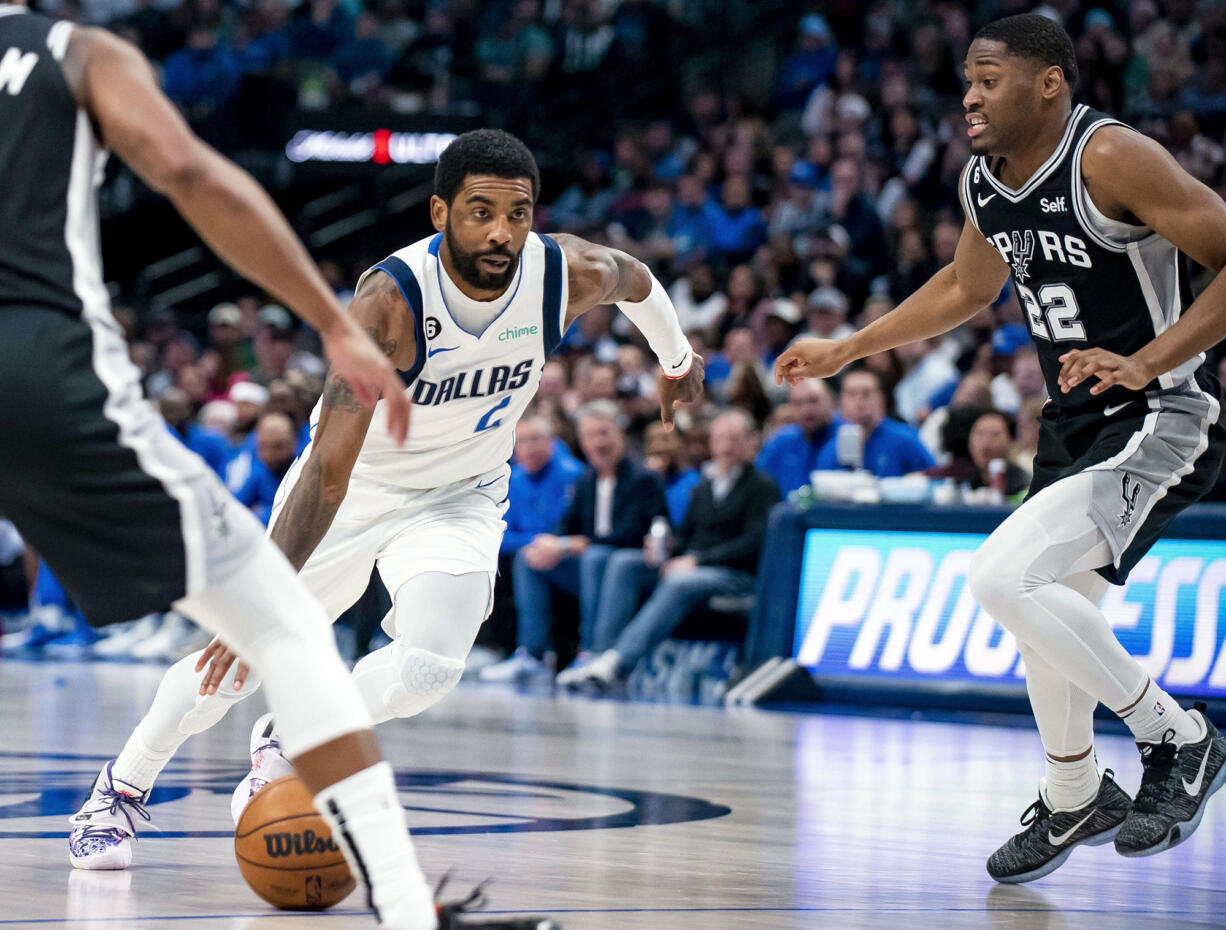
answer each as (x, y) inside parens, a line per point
(601, 814)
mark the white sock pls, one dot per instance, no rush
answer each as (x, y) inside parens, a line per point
(1156, 712)
(138, 765)
(369, 825)
(1069, 785)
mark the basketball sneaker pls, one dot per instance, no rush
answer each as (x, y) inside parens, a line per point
(1175, 784)
(267, 764)
(457, 915)
(522, 667)
(1050, 836)
(104, 827)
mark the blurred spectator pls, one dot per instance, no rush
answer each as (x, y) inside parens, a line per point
(613, 505)
(234, 351)
(700, 304)
(810, 65)
(827, 314)
(176, 408)
(665, 454)
(1022, 381)
(541, 486)
(991, 439)
(249, 399)
(275, 452)
(780, 323)
(203, 74)
(717, 548)
(364, 60)
(790, 454)
(926, 370)
(736, 227)
(884, 447)
(274, 344)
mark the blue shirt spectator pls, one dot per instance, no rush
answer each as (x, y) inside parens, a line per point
(791, 453)
(890, 448)
(677, 492)
(176, 408)
(274, 455)
(204, 73)
(365, 55)
(542, 484)
(736, 228)
(811, 64)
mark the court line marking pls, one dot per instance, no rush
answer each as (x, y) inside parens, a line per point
(281, 915)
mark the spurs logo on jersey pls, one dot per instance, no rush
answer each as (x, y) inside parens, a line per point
(1082, 278)
(468, 389)
(1130, 497)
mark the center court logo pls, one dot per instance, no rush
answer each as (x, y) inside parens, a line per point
(516, 332)
(39, 792)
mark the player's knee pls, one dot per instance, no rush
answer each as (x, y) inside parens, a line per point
(423, 678)
(992, 578)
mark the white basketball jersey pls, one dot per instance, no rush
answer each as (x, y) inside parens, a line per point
(468, 389)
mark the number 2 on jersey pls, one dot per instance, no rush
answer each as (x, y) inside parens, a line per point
(484, 423)
(1053, 312)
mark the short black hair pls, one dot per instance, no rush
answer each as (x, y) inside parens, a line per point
(1004, 416)
(1036, 37)
(484, 151)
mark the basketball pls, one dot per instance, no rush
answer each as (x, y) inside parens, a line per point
(286, 852)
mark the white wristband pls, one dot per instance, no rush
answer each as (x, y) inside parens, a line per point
(656, 318)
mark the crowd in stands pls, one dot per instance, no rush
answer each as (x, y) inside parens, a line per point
(811, 211)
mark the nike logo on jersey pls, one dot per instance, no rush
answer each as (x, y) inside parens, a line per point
(1193, 787)
(491, 481)
(1063, 837)
(433, 352)
(981, 200)
(1112, 411)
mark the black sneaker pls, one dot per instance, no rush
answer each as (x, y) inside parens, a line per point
(1050, 835)
(1175, 785)
(456, 915)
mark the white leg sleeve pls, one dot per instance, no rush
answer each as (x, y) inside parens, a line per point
(1020, 576)
(1064, 712)
(268, 617)
(436, 617)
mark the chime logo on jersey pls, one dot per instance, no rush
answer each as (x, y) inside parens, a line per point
(481, 382)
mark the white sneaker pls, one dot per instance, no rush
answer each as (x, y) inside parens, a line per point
(157, 647)
(115, 645)
(267, 764)
(577, 670)
(104, 827)
(520, 666)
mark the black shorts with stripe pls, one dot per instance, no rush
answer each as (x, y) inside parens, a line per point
(110, 531)
(1149, 459)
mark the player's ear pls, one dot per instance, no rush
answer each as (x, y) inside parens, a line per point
(1051, 79)
(438, 212)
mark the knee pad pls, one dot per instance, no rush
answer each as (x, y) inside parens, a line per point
(421, 680)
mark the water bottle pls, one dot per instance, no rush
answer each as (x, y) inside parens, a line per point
(657, 542)
(997, 471)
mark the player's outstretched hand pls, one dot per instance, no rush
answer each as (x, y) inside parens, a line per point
(684, 390)
(1110, 369)
(219, 657)
(810, 358)
(368, 373)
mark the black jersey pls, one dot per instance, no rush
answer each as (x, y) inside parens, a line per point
(50, 164)
(1083, 279)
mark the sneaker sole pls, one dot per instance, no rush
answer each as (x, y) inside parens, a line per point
(1098, 839)
(107, 862)
(1183, 829)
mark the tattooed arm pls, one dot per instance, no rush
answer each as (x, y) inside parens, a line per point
(343, 421)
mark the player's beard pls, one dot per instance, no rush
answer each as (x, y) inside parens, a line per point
(465, 264)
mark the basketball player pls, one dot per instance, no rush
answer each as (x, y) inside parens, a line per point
(1093, 221)
(469, 317)
(130, 520)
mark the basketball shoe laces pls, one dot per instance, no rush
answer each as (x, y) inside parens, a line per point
(1037, 815)
(1157, 785)
(120, 803)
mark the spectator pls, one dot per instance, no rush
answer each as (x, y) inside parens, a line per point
(364, 60)
(203, 74)
(827, 314)
(700, 304)
(736, 227)
(664, 453)
(274, 344)
(884, 447)
(790, 455)
(275, 452)
(991, 439)
(541, 486)
(249, 399)
(614, 503)
(926, 370)
(1023, 379)
(176, 409)
(717, 546)
(810, 65)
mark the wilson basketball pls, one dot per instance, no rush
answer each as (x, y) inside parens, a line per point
(286, 851)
